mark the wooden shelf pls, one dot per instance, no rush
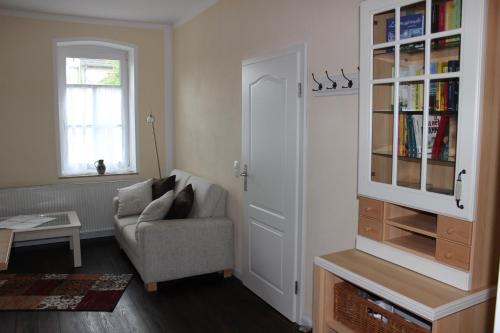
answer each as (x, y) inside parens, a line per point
(449, 163)
(421, 245)
(418, 223)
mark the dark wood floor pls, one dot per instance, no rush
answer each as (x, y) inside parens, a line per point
(206, 303)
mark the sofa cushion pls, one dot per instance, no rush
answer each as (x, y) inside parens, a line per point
(162, 186)
(181, 179)
(158, 208)
(181, 207)
(133, 199)
(207, 196)
(121, 222)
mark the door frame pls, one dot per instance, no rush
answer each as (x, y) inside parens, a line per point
(301, 197)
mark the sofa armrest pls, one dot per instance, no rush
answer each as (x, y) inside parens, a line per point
(177, 248)
(116, 202)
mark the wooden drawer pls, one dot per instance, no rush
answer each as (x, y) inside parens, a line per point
(454, 230)
(453, 254)
(371, 208)
(370, 228)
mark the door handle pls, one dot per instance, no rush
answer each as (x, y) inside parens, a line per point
(244, 174)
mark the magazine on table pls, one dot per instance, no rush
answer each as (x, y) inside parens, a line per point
(20, 222)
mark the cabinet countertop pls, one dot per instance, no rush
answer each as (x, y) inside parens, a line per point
(421, 295)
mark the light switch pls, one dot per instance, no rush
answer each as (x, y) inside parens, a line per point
(236, 168)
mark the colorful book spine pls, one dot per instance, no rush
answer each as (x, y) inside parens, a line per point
(452, 135)
(442, 18)
(446, 15)
(449, 16)
(432, 96)
(417, 127)
(435, 17)
(432, 127)
(440, 135)
(458, 13)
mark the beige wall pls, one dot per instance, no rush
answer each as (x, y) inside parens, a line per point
(208, 51)
(28, 154)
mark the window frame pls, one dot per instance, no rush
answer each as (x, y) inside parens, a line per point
(98, 49)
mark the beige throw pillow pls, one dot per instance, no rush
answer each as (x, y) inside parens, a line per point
(133, 199)
(156, 210)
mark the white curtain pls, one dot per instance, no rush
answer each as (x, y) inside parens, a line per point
(92, 129)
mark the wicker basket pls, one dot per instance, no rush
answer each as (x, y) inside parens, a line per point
(357, 313)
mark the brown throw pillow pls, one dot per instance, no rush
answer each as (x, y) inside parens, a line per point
(162, 186)
(183, 202)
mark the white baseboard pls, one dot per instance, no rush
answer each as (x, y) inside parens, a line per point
(238, 274)
(305, 321)
(84, 235)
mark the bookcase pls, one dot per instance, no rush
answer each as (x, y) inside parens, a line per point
(424, 145)
(409, 241)
(420, 81)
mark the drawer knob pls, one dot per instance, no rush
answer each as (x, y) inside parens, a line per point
(448, 255)
(368, 229)
(367, 209)
(450, 230)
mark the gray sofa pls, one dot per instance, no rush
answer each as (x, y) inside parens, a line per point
(172, 249)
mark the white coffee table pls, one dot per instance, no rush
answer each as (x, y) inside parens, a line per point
(66, 224)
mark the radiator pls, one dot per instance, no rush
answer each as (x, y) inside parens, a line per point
(93, 202)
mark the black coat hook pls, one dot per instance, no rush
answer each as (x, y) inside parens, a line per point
(320, 85)
(334, 84)
(349, 81)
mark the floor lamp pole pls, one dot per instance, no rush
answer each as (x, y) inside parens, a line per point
(151, 120)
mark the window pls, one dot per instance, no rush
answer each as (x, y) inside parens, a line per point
(96, 107)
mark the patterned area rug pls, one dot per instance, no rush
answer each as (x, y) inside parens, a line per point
(63, 292)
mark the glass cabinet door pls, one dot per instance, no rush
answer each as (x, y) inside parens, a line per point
(415, 94)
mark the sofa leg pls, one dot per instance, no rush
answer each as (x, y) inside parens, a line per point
(151, 287)
(228, 273)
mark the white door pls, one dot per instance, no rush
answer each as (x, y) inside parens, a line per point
(272, 123)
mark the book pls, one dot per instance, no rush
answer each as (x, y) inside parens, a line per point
(434, 67)
(411, 136)
(432, 128)
(453, 65)
(432, 96)
(446, 93)
(446, 15)
(441, 19)
(453, 95)
(458, 13)
(452, 135)
(417, 128)
(449, 15)
(410, 26)
(435, 17)
(440, 135)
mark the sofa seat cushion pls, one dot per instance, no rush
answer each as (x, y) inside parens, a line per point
(121, 222)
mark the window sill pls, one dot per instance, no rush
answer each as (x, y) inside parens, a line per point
(97, 176)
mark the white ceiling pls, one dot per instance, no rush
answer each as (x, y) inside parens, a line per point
(151, 11)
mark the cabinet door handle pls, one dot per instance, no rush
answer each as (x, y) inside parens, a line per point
(450, 230)
(448, 255)
(368, 229)
(367, 209)
(458, 189)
